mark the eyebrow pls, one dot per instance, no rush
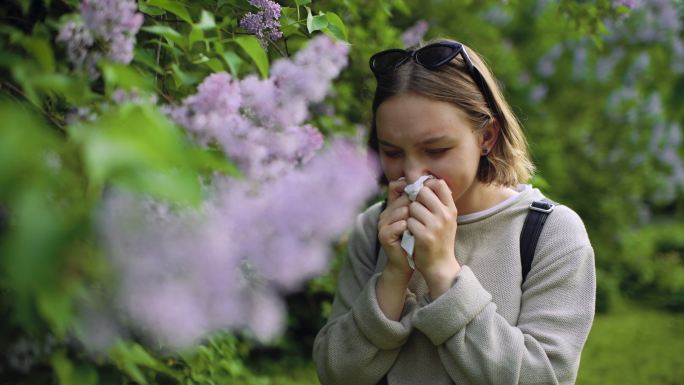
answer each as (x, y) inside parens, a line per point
(423, 142)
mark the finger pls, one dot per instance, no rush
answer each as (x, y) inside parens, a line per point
(421, 213)
(442, 191)
(395, 189)
(415, 227)
(398, 202)
(391, 234)
(389, 215)
(398, 214)
(431, 201)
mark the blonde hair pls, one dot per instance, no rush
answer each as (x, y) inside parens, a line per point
(508, 163)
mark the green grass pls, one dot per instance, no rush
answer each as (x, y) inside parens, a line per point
(631, 345)
(634, 345)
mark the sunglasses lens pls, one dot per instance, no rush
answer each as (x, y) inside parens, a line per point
(433, 56)
(387, 61)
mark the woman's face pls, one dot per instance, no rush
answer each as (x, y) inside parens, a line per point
(419, 136)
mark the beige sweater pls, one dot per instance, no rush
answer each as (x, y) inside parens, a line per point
(486, 329)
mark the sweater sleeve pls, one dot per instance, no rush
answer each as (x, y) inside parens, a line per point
(358, 345)
(478, 346)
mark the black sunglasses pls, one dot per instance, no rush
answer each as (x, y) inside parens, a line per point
(431, 56)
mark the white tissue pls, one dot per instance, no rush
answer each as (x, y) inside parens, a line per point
(408, 241)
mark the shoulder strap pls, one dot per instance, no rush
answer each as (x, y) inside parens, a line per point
(529, 236)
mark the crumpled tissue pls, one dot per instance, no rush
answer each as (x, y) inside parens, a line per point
(408, 241)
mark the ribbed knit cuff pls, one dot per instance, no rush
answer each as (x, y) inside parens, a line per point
(381, 331)
(451, 312)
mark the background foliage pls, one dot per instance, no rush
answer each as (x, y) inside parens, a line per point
(596, 84)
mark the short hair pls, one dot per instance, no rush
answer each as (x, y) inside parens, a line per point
(508, 163)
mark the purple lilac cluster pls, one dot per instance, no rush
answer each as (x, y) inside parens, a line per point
(412, 36)
(498, 15)
(265, 24)
(546, 66)
(259, 122)
(630, 107)
(227, 265)
(187, 273)
(79, 41)
(112, 23)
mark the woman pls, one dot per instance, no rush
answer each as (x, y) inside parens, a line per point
(465, 315)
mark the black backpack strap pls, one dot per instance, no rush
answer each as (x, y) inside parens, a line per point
(534, 222)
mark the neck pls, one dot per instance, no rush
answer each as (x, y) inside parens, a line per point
(481, 197)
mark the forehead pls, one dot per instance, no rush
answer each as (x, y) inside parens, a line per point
(414, 118)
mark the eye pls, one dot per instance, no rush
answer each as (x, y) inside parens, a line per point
(437, 151)
(392, 154)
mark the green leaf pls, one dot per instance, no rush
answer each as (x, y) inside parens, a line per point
(215, 65)
(129, 357)
(175, 7)
(207, 21)
(289, 23)
(41, 50)
(213, 160)
(302, 2)
(167, 32)
(148, 10)
(234, 62)
(254, 49)
(336, 26)
(136, 147)
(75, 90)
(117, 75)
(56, 307)
(315, 23)
(70, 374)
(143, 56)
(196, 34)
(183, 78)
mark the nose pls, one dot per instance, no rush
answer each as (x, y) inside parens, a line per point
(414, 169)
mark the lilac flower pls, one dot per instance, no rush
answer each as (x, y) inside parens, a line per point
(638, 67)
(265, 24)
(547, 63)
(185, 274)
(498, 16)
(579, 63)
(412, 36)
(678, 55)
(538, 92)
(282, 99)
(261, 149)
(308, 76)
(113, 23)
(78, 39)
(258, 123)
(215, 104)
(605, 65)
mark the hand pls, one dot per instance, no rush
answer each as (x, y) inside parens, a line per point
(391, 226)
(432, 221)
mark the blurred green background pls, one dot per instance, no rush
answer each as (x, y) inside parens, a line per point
(598, 86)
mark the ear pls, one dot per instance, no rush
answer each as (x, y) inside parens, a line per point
(489, 135)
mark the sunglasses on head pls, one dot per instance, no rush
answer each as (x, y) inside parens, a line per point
(432, 57)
